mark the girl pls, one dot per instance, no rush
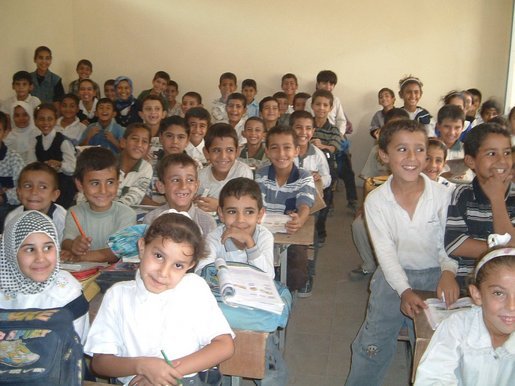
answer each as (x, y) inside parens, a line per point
(126, 105)
(88, 101)
(163, 311)
(410, 92)
(477, 346)
(54, 149)
(386, 98)
(23, 130)
(29, 270)
(48, 86)
(68, 123)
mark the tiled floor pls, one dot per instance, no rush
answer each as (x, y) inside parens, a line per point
(322, 327)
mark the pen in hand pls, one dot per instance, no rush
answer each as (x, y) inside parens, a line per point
(169, 363)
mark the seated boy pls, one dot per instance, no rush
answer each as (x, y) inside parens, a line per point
(198, 120)
(11, 165)
(221, 150)
(227, 85)
(159, 84)
(106, 132)
(485, 206)
(189, 100)
(249, 89)
(178, 181)
(299, 101)
(69, 123)
(240, 237)
(253, 152)
(174, 107)
(22, 86)
(236, 109)
(406, 219)
(96, 176)
(288, 190)
(109, 90)
(135, 172)
(289, 85)
(152, 113)
(84, 70)
(269, 111)
(38, 189)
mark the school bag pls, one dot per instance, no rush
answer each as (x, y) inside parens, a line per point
(40, 347)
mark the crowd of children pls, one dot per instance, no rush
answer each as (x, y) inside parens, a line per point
(73, 164)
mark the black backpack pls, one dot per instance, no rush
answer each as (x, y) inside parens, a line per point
(41, 347)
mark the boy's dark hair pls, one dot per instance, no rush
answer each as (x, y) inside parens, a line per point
(239, 187)
(179, 229)
(228, 75)
(453, 94)
(490, 104)
(301, 95)
(173, 120)
(137, 125)
(451, 112)
(3, 120)
(220, 130)
(477, 135)
(162, 75)
(500, 121)
(265, 100)
(249, 83)
(151, 97)
(181, 159)
(45, 106)
(239, 97)
(173, 83)
(22, 75)
(109, 82)
(435, 142)
(194, 94)
(395, 113)
(278, 130)
(327, 76)
(388, 90)
(84, 62)
(74, 97)
(257, 119)
(289, 75)
(280, 95)
(301, 114)
(198, 112)
(476, 92)
(40, 49)
(106, 101)
(40, 167)
(95, 159)
(388, 130)
(322, 94)
(88, 81)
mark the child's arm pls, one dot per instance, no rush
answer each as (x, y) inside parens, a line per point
(78, 246)
(495, 189)
(88, 134)
(67, 166)
(104, 255)
(134, 194)
(340, 118)
(207, 204)
(298, 219)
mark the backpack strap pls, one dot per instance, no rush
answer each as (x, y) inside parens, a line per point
(78, 306)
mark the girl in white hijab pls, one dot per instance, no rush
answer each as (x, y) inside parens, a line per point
(23, 130)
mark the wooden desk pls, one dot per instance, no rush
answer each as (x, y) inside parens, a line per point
(304, 236)
(423, 333)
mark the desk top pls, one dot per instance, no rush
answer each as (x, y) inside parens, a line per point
(304, 236)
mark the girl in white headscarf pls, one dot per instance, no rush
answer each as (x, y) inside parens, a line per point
(29, 270)
(23, 130)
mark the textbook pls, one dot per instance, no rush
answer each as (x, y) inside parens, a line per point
(438, 311)
(248, 287)
(275, 222)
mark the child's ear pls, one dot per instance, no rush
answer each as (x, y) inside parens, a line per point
(475, 294)
(141, 247)
(383, 156)
(160, 187)
(206, 152)
(140, 113)
(123, 143)
(78, 184)
(470, 161)
(220, 213)
(261, 213)
(55, 195)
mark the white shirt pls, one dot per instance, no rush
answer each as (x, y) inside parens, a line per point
(261, 256)
(461, 353)
(32, 100)
(196, 152)
(90, 114)
(69, 160)
(62, 291)
(134, 322)
(73, 131)
(208, 181)
(315, 161)
(404, 243)
(336, 116)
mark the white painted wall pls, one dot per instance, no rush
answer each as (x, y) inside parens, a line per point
(369, 44)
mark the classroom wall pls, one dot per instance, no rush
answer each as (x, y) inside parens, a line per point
(369, 44)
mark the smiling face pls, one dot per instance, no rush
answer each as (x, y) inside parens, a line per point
(179, 185)
(270, 112)
(100, 188)
(281, 151)
(105, 112)
(241, 213)
(136, 144)
(110, 92)
(22, 88)
(496, 296)
(164, 263)
(450, 131)
(69, 108)
(386, 100)
(45, 120)
(289, 86)
(87, 91)
(405, 155)
(84, 71)
(174, 139)
(254, 132)
(37, 256)
(43, 61)
(435, 162)
(37, 190)
(198, 129)
(493, 158)
(304, 129)
(20, 117)
(171, 93)
(159, 85)
(321, 107)
(222, 155)
(488, 114)
(411, 94)
(227, 87)
(235, 110)
(123, 89)
(188, 102)
(250, 93)
(152, 112)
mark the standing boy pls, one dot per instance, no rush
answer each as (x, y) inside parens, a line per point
(406, 220)
(288, 190)
(236, 109)
(269, 111)
(159, 84)
(249, 89)
(485, 206)
(189, 100)
(171, 92)
(100, 216)
(84, 70)
(198, 120)
(289, 85)
(227, 85)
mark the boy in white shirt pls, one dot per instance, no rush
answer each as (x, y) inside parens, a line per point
(22, 86)
(198, 120)
(68, 123)
(227, 85)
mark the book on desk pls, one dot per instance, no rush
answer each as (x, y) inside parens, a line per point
(437, 310)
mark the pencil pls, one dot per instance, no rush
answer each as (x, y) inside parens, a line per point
(169, 363)
(78, 223)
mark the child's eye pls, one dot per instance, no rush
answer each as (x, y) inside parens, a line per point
(191, 180)
(26, 186)
(490, 153)
(507, 153)
(498, 293)
(249, 212)
(43, 187)
(401, 149)
(179, 265)
(158, 256)
(48, 248)
(231, 211)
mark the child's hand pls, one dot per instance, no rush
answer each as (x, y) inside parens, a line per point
(317, 142)
(238, 235)
(111, 138)
(68, 256)
(157, 372)
(207, 204)
(316, 176)
(448, 286)
(411, 303)
(294, 224)
(495, 186)
(81, 245)
(54, 164)
(93, 131)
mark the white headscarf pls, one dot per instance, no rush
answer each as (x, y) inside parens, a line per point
(20, 139)
(12, 280)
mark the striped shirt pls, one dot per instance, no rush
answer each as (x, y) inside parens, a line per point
(470, 216)
(299, 189)
(329, 135)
